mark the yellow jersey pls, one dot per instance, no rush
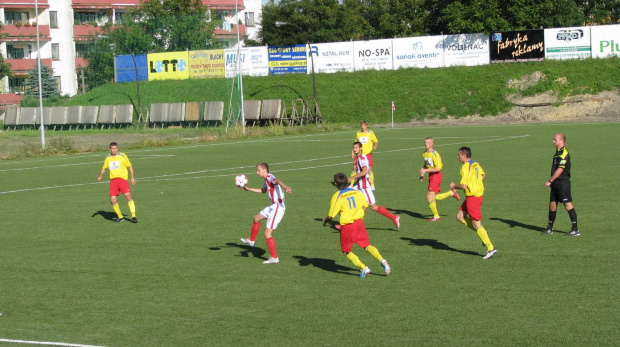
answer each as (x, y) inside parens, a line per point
(118, 165)
(367, 139)
(472, 175)
(432, 160)
(349, 203)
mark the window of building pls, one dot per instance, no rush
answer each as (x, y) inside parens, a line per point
(12, 17)
(57, 80)
(53, 19)
(17, 84)
(13, 52)
(118, 17)
(249, 19)
(84, 17)
(82, 49)
(55, 51)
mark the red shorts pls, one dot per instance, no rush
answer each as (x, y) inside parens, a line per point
(370, 162)
(434, 182)
(353, 233)
(472, 206)
(119, 185)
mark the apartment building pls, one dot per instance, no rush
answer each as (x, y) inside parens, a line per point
(64, 29)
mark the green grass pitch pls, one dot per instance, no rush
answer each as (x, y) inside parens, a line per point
(181, 277)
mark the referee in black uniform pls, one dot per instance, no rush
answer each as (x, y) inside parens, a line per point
(560, 186)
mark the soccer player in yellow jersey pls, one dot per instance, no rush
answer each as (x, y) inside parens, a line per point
(350, 204)
(119, 165)
(369, 142)
(433, 165)
(471, 182)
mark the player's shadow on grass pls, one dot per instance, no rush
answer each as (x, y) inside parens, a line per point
(332, 224)
(516, 224)
(105, 214)
(247, 251)
(436, 245)
(409, 213)
(325, 264)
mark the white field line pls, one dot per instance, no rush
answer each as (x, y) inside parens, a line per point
(175, 176)
(86, 163)
(44, 343)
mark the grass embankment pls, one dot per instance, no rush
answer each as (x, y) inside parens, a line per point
(417, 93)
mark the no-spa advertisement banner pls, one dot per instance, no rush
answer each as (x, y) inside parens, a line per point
(511, 46)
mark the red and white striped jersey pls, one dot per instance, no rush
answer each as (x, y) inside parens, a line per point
(276, 194)
(360, 163)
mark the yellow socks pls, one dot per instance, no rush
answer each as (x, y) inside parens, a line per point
(484, 236)
(117, 209)
(374, 252)
(132, 208)
(355, 260)
(433, 206)
(444, 195)
(467, 223)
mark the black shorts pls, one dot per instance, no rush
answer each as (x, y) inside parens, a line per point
(560, 192)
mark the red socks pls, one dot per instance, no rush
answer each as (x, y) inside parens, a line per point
(271, 245)
(254, 232)
(383, 211)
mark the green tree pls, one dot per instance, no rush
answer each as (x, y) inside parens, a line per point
(167, 26)
(5, 68)
(100, 68)
(49, 87)
(600, 11)
(308, 20)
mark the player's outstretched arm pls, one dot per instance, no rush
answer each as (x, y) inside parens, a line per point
(326, 219)
(254, 190)
(281, 184)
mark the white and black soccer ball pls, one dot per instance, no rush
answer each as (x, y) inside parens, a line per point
(241, 181)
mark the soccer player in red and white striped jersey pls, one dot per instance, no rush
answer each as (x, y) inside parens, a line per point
(272, 213)
(362, 183)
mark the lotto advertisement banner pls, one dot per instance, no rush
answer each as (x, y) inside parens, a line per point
(422, 51)
(466, 50)
(331, 57)
(168, 66)
(126, 66)
(206, 64)
(568, 43)
(254, 61)
(287, 59)
(606, 41)
(512, 46)
(372, 55)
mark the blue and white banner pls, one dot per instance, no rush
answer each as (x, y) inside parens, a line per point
(287, 59)
(568, 43)
(331, 57)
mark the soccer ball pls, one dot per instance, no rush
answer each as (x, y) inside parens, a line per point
(241, 181)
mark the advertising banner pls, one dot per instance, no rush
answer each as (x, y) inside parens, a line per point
(605, 41)
(466, 50)
(126, 66)
(568, 43)
(287, 59)
(254, 61)
(421, 51)
(331, 57)
(168, 66)
(511, 46)
(206, 64)
(372, 55)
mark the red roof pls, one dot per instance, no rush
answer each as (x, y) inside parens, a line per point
(118, 4)
(10, 99)
(86, 31)
(23, 4)
(21, 66)
(25, 33)
(221, 32)
(105, 3)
